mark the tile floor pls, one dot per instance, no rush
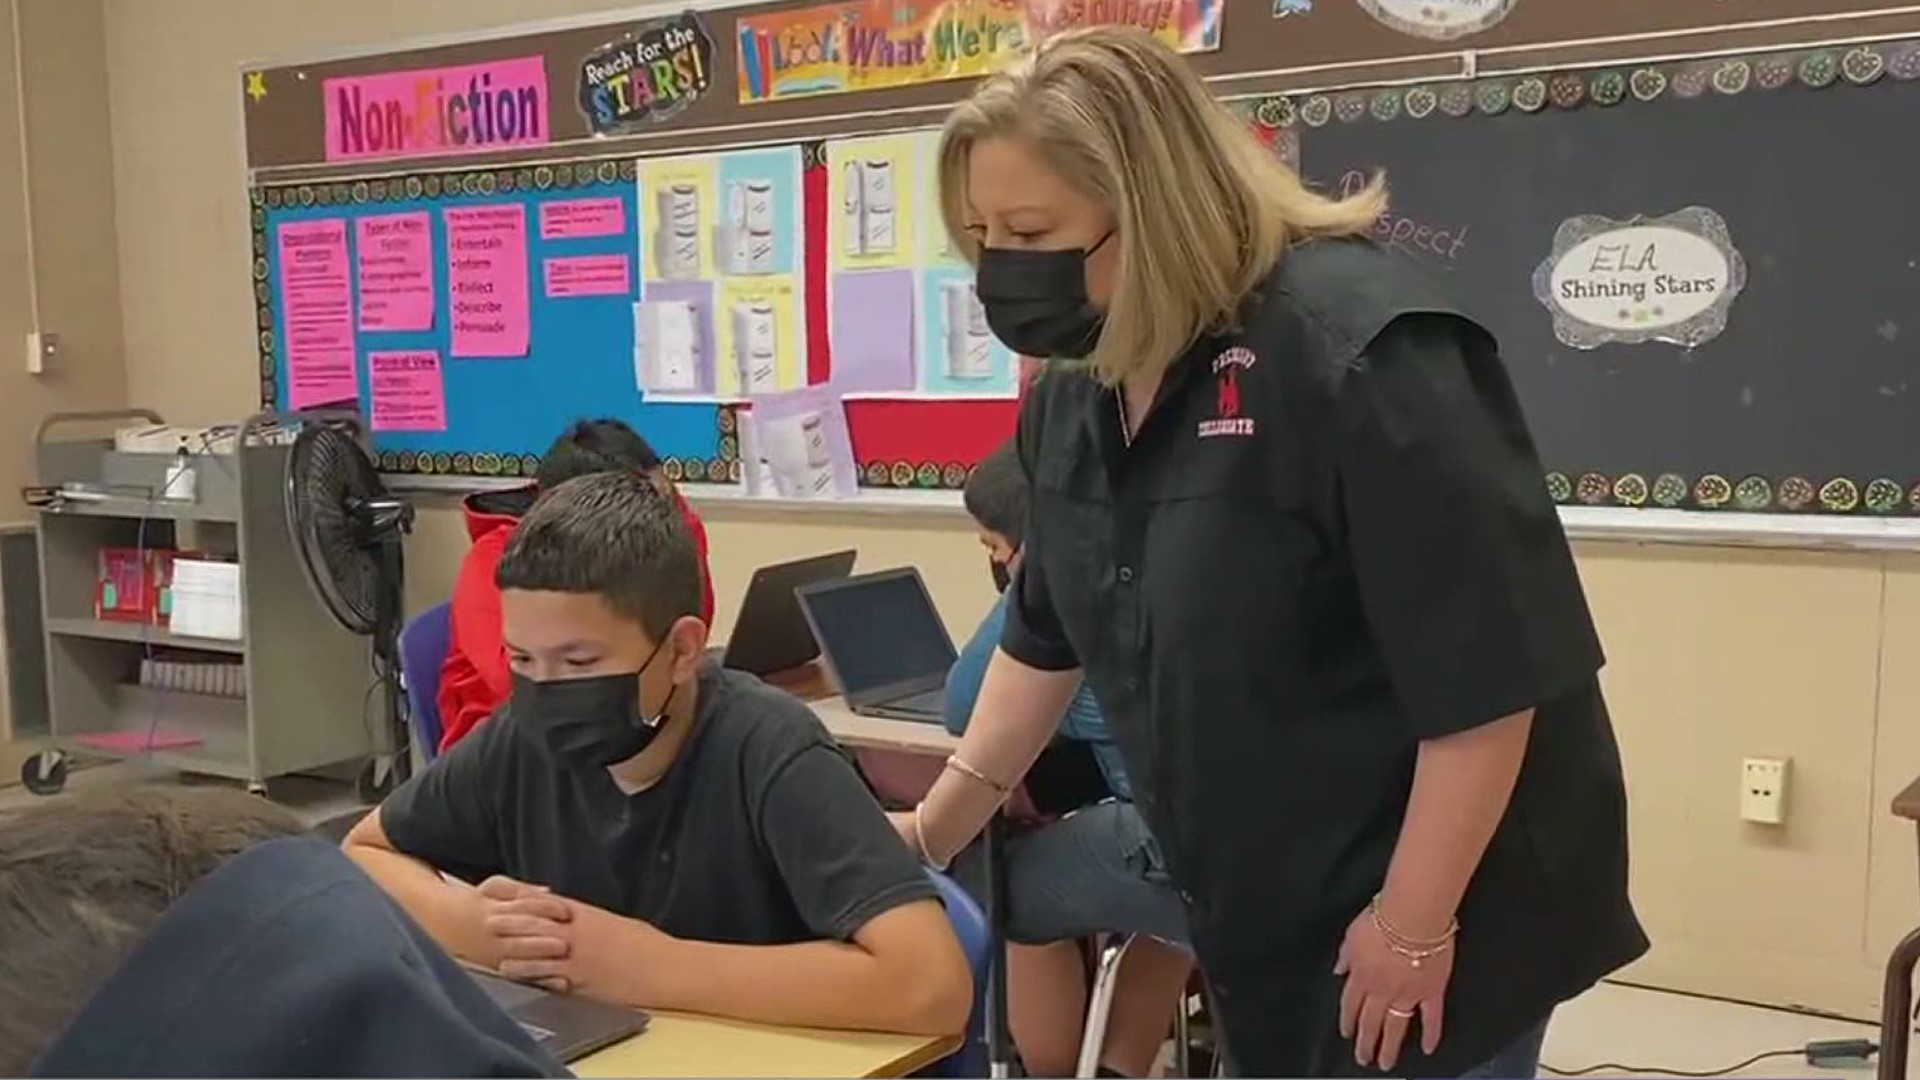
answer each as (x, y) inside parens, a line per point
(1654, 1029)
(1612, 1024)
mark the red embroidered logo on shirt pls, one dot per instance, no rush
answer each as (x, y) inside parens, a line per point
(1226, 372)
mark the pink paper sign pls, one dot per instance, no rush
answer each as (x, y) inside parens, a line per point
(316, 300)
(574, 219)
(454, 110)
(396, 271)
(487, 280)
(409, 393)
(589, 275)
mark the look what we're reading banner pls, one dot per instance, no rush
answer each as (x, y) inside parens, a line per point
(879, 44)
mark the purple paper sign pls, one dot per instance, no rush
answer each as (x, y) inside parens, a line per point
(873, 331)
(700, 295)
(802, 437)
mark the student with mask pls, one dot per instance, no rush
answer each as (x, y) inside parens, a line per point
(170, 931)
(648, 829)
(476, 678)
(1095, 871)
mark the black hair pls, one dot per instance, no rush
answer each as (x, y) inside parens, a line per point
(594, 446)
(996, 495)
(82, 879)
(614, 535)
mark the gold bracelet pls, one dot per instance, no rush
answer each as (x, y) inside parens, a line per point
(955, 763)
(1413, 950)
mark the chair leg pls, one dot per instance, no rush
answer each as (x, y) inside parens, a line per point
(1896, 1008)
(999, 1036)
(1106, 977)
(1183, 1037)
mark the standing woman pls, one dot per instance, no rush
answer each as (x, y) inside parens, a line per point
(1289, 524)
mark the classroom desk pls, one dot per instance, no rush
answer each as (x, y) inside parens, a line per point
(678, 1044)
(872, 733)
(808, 682)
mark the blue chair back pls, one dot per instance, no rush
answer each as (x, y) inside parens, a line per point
(424, 642)
(970, 925)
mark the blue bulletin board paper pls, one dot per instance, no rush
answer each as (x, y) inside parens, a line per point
(580, 358)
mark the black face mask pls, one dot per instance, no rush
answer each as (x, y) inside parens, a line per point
(1036, 301)
(1002, 577)
(590, 723)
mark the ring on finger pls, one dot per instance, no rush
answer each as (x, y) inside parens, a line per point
(1401, 1014)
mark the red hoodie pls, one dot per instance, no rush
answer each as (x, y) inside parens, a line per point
(474, 681)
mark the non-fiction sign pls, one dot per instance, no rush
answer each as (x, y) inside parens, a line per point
(1671, 279)
(1439, 20)
(646, 76)
(880, 44)
(433, 111)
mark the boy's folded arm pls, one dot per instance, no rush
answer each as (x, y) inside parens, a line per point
(451, 912)
(903, 972)
(887, 960)
(442, 820)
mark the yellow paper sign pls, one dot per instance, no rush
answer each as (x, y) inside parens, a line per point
(880, 44)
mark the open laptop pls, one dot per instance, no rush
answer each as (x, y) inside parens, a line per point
(772, 633)
(884, 642)
(567, 1027)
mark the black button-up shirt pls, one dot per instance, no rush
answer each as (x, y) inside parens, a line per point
(1328, 541)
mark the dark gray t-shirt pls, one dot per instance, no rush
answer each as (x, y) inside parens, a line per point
(761, 833)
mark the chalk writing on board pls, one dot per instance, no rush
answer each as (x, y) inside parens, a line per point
(1406, 233)
(1671, 279)
(1439, 20)
(487, 280)
(647, 76)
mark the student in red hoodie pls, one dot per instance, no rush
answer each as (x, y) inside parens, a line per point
(474, 681)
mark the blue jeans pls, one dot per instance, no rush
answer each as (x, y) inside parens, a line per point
(1095, 871)
(1519, 1061)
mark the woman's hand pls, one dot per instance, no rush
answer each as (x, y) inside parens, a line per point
(1385, 991)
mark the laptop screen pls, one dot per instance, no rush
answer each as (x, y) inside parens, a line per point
(879, 631)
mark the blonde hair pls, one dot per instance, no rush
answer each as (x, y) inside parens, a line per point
(1203, 209)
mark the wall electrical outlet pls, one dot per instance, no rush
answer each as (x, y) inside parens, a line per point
(1763, 791)
(41, 349)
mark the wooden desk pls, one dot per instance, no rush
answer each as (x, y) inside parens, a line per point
(808, 682)
(677, 1044)
(872, 733)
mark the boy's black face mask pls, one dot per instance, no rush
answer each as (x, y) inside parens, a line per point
(1002, 577)
(1036, 301)
(589, 723)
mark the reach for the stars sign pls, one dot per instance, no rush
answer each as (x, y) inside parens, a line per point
(646, 76)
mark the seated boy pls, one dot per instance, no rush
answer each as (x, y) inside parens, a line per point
(475, 680)
(170, 931)
(649, 829)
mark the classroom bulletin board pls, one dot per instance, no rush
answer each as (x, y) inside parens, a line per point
(672, 216)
